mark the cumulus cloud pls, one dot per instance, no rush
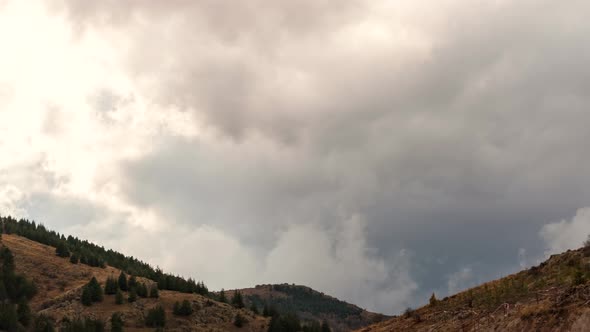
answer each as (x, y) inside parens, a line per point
(565, 234)
(451, 131)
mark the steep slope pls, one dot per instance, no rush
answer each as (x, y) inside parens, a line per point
(310, 305)
(60, 284)
(554, 296)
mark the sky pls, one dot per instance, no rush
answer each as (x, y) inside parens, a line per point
(377, 151)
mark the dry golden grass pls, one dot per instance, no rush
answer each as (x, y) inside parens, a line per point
(59, 284)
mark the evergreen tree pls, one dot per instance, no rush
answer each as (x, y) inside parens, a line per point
(74, 259)
(239, 320)
(86, 297)
(184, 309)
(44, 324)
(154, 293)
(119, 297)
(116, 322)
(237, 300)
(142, 290)
(156, 317)
(23, 312)
(132, 296)
(123, 282)
(8, 317)
(325, 326)
(222, 297)
(433, 301)
(254, 309)
(95, 290)
(111, 286)
(62, 250)
(132, 282)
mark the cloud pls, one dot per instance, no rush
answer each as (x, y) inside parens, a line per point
(453, 131)
(460, 280)
(565, 234)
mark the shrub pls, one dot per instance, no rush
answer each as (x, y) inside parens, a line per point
(156, 317)
(184, 309)
(239, 320)
(116, 322)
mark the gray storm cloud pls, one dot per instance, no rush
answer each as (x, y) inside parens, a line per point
(453, 131)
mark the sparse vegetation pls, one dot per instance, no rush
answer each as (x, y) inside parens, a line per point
(93, 255)
(237, 300)
(82, 325)
(239, 320)
(116, 322)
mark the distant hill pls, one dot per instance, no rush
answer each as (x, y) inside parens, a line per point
(553, 296)
(309, 304)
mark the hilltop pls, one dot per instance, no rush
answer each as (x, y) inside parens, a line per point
(59, 287)
(310, 305)
(553, 296)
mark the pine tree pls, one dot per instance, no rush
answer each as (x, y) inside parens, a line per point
(222, 297)
(74, 259)
(142, 290)
(156, 317)
(86, 296)
(237, 300)
(123, 282)
(154, 293)
(132, 282)
(239, 320)
(23, 312)
(119, 297)
(95, 290)
(325, 326)
(62, 250)
(111, 286)
(116, 322)
(254, 309)
(433, 301)
(132, 296)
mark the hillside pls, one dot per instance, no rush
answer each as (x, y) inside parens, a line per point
(59, 287)
(553, 296)
(310, 305)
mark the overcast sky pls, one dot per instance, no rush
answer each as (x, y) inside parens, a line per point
(374, 150)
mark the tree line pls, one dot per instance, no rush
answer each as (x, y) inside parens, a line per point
(85, 252)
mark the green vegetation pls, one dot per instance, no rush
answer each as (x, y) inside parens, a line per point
(119, 297)
(94, 255)
(111, 286)
(237, 300)
(116, 322)
(304, 299)
(15, 291)
(239, 320)
(92, 292)
(154, 293)
(184, 309)
(156, 317)
(82, 325)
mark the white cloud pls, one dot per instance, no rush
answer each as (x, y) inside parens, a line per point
(562, 235)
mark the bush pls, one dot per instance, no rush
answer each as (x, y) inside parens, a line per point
(116, 322)
(132, 296)
(44, 324)
(119, 297)
(184, 309)
(239, 320)
(111, 286)
(154, 293)
(74, 259)
(156, 317)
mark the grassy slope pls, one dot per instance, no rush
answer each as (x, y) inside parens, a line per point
(60, 282)
(553, 296)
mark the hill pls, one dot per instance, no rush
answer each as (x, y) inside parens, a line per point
(60, 283)
(310, 305)
(553, 296)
